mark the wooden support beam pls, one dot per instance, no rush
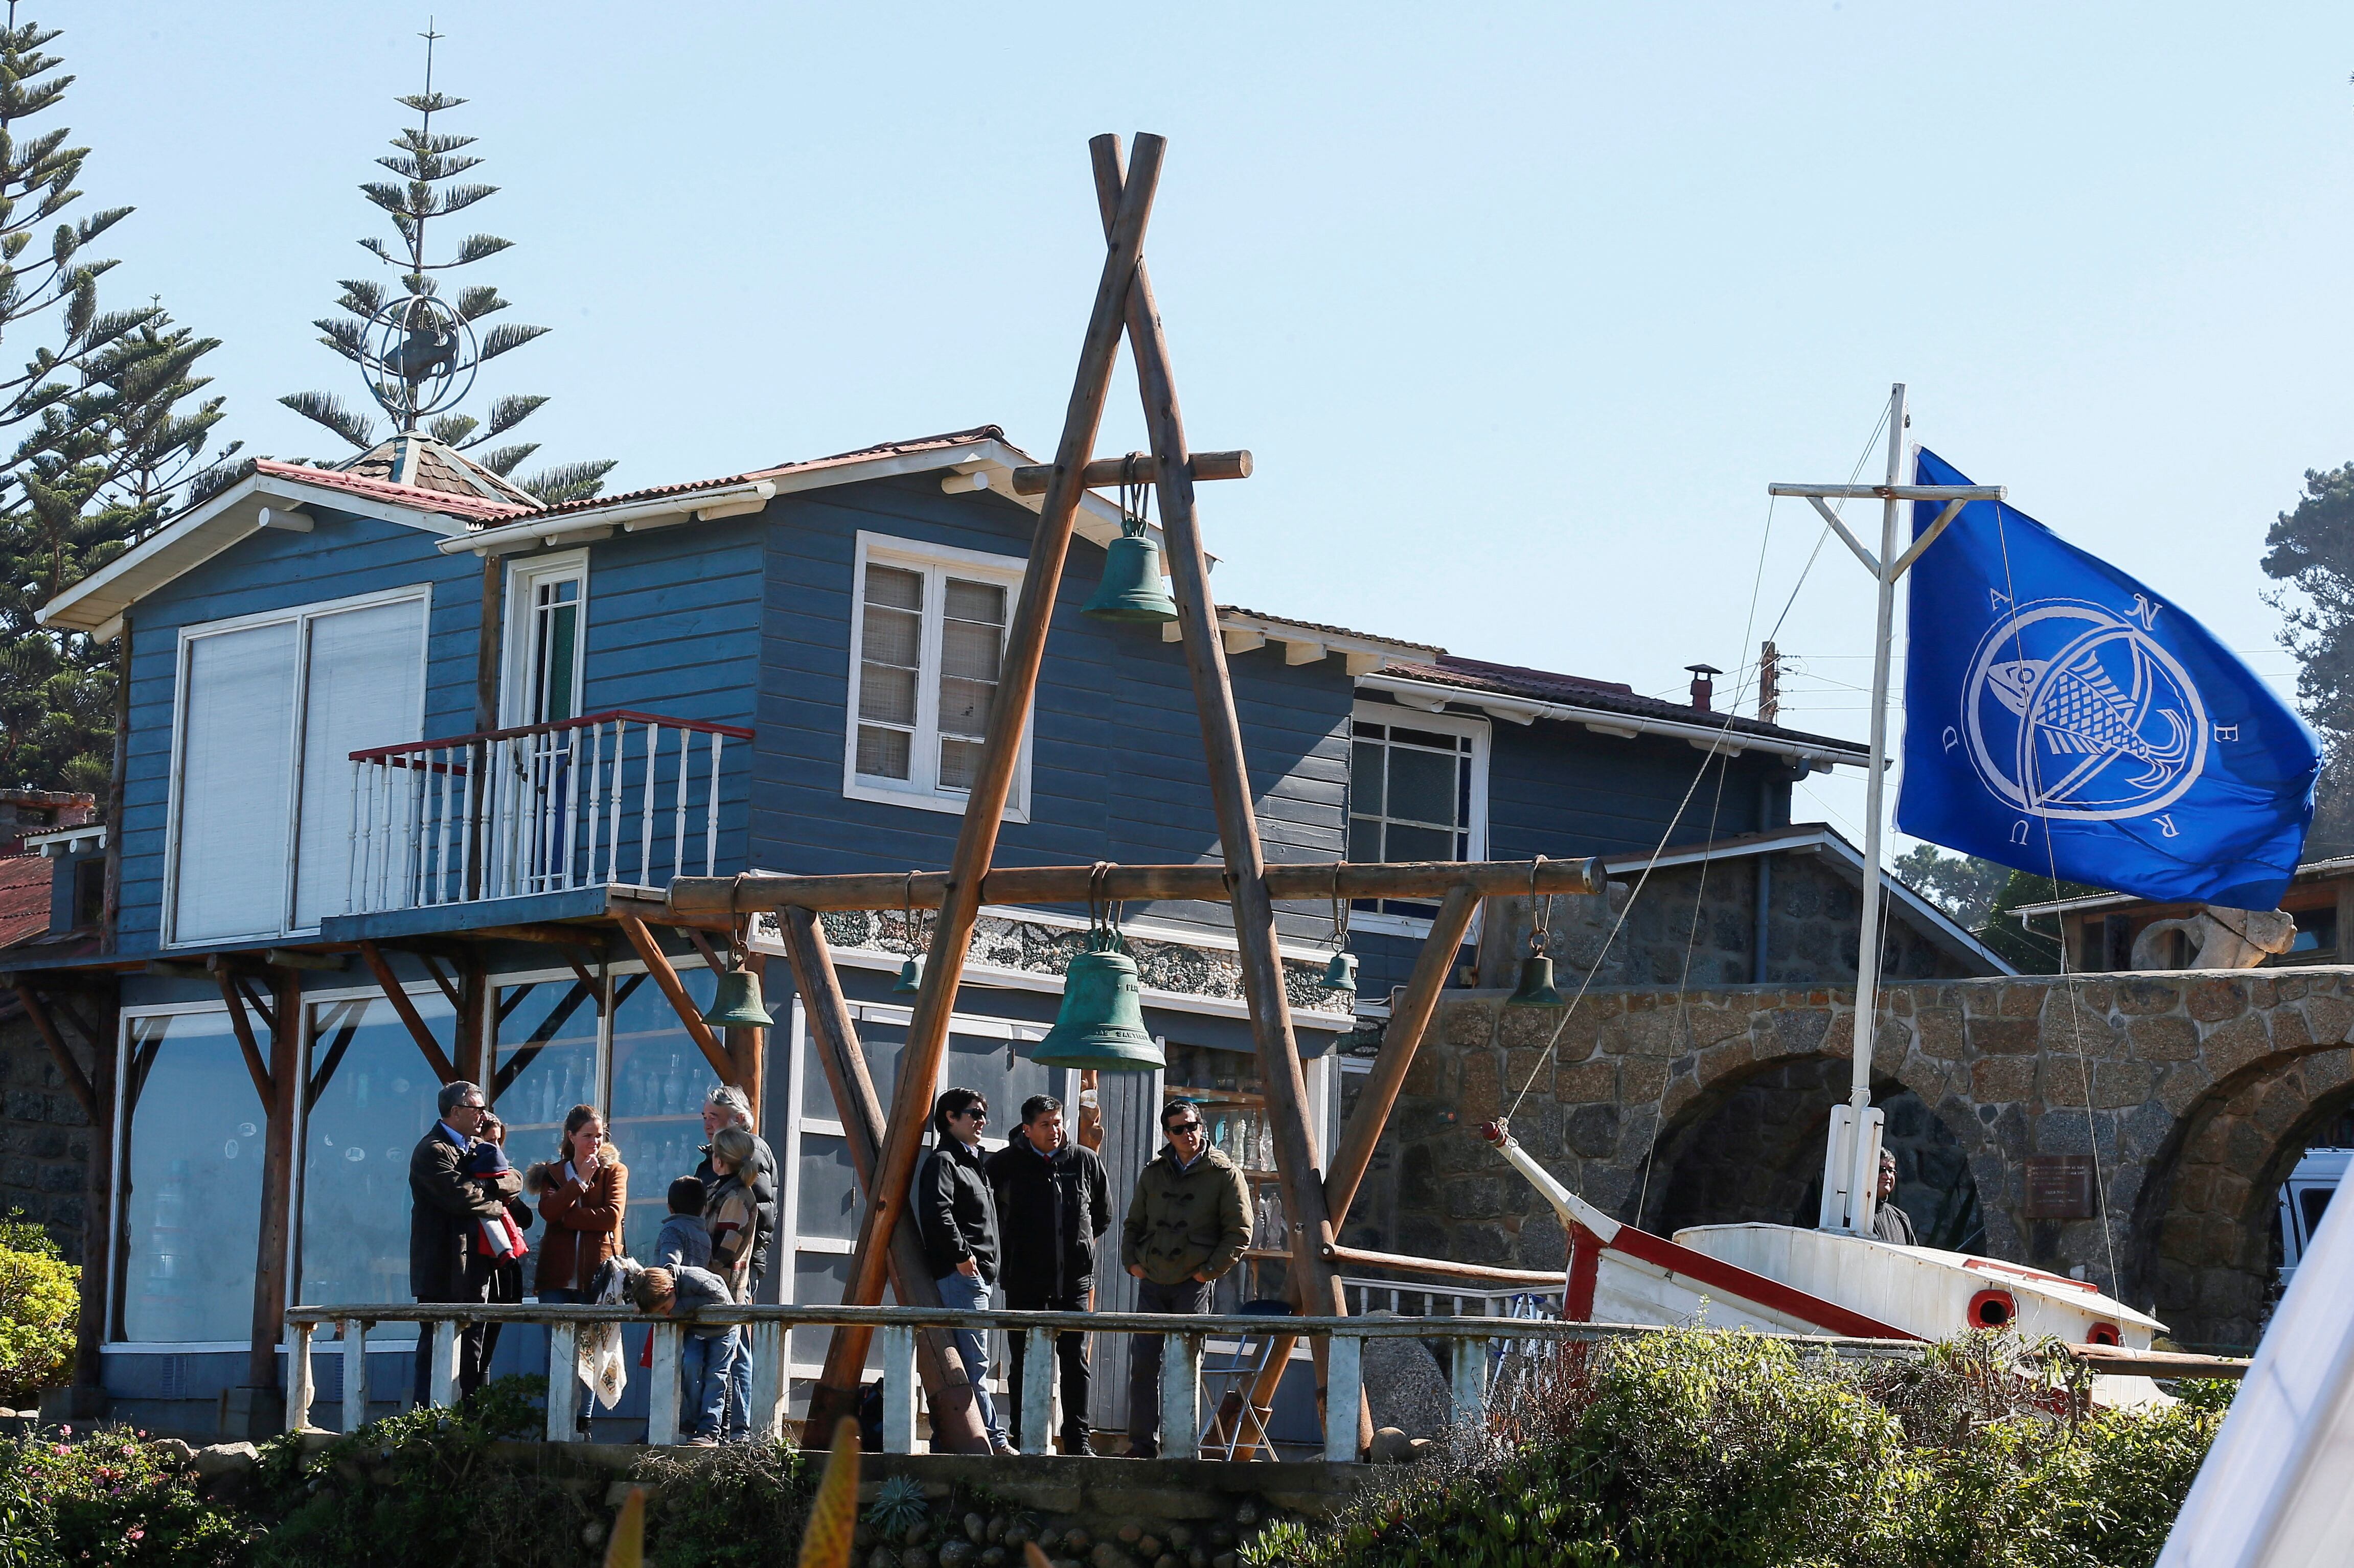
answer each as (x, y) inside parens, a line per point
(658, 964)
(1322, 881)
(261, 1010)
(98, 1199)
(1025, 645)
(277, 1183)
(295, 958)
(1443, 1268)
(956, 1420)
(242, 1027)
(1031, 478)
(373, 956)
(78, 1082)
(711, 959)
(433, 969)
(584, 938)
(1316, 1285)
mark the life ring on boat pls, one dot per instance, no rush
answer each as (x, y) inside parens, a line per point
(2104, 1334)
(1993, 1309)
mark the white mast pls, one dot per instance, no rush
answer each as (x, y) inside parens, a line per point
(1851, 1163)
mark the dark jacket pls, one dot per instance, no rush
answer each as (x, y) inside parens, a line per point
(1891, 1223)
(1050, 1212)
(683, 1244)
(957, 1210)
(763, 1182)
(445, 1209)
(1184, 1223)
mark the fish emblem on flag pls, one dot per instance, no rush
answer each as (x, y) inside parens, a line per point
(2076, 711)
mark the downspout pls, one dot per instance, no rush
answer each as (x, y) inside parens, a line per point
(113, 896)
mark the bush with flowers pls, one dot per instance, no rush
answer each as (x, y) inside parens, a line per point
(39, 1299)
(108, 1497)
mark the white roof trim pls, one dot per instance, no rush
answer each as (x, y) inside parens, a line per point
(96, 603)
(1607, 721)
(1851, 859)
(61, 841)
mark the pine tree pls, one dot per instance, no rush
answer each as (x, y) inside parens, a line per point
(428, 162)
(101, 443)
(2311, 552)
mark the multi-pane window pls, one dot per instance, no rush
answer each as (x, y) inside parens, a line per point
(1416, 793)
(931, 642)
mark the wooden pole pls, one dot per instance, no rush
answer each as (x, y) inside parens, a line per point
(390, 983)
(748, 1045)
(927, 1037)
(658, 964)
(277, 1183)
(108, 918)
(758, 892)
(1317, 1287)
(1032, 479)
(97, 1203)
(78, 1083)
(956, 1420)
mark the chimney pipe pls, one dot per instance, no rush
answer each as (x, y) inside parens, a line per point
(1703, 689)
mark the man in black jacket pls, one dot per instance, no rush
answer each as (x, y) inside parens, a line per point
(446, 1211)
(958, 1214)
(1054, 1205)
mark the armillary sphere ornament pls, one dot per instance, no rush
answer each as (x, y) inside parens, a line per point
(419, 357)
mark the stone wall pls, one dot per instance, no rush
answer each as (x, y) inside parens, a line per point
(2197, 1091)
(44, 1138)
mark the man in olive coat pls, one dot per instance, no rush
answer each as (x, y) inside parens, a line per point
(446, 1211)
(1187, 1224)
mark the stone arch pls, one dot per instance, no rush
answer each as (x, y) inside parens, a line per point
(2205, 1229)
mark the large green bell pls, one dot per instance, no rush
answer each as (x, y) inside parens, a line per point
(1535, 989)
(1341, 973)
(911, 975)
(1102, 1022)
(1131, 590)
(737, 1004)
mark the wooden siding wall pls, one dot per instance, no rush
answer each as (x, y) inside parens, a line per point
(343, 555)
(1117, 770)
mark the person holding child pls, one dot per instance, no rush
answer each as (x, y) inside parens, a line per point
(500, 1239)
(448, 1206)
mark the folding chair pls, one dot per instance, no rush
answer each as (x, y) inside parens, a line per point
(1226, 1386)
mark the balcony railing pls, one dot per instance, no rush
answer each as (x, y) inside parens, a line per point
(1187, 1417)
(608, 798)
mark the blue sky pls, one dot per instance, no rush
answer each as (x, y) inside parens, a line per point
(1520, 306)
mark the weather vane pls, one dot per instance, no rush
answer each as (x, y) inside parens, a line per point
(417, 353)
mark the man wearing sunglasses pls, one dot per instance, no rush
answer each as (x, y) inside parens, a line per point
(1187, 1224)
(958, 1214)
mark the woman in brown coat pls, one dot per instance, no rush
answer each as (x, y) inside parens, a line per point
(582, 1193)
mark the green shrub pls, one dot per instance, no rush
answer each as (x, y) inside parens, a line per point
(741, 1503)
(39, 1299)
(110, 1498)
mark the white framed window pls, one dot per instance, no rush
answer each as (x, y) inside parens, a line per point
(546, 638)
(268, 709)
(928, 631)
(1417, 790)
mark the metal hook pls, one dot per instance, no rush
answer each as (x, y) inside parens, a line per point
(1340, 911)
(1539, 909)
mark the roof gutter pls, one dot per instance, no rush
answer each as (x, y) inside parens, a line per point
(1524, 710)
(530, 532)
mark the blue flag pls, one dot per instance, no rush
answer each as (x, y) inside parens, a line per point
(2065, 720)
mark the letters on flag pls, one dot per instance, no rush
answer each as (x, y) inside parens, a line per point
(2061, 719)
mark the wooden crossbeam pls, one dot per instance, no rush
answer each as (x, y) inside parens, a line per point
(373, 956)
(658, 964)
(78, 1083)
(1031, 478)
(925, 1040)
(754, 891)
(242, 1027)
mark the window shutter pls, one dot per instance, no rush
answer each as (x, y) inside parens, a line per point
(366, 688)
(235, 749)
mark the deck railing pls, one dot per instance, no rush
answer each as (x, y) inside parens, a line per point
(609, 798)
(1183, 1338)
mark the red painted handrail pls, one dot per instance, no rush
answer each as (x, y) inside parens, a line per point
(696, 726)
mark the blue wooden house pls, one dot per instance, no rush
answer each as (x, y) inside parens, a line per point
(408, 761)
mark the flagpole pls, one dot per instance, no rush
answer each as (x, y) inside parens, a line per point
(1851, 1159)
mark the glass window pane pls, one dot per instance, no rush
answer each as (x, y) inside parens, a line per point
(1438, 738)
(883, 752)
(1364, 838)
(882, 1042)
(546, 1062)
(376, 1099)
(960, 763)
(557, 699)
(829, 1189)
(1421, 789)
(970, 651)
(192, 1182)
(1418, 844)
(895, 587)
(964, 706)
(886, 695)
(660, 1078)
(891, 637)
(1365, 777)
(982, 602)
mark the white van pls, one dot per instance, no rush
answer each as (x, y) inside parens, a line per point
(2303, 1198)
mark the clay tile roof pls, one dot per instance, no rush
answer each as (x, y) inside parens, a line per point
(978, 433)
(454, 504)
(1613, 696)
(434, 465)
(1331, 631)
(24, 897)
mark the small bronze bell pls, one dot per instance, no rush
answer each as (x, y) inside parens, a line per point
(737, 1004)
(1535, 989)
(911, 975)
(1102, 1025)
(1341, 973)
(1131, 590)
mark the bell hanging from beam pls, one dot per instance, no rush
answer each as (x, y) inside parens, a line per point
(1341, 973)
(911, 975)
(1130, 590)
(1535, 989)
(1102, 1025)
(737, 1004)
